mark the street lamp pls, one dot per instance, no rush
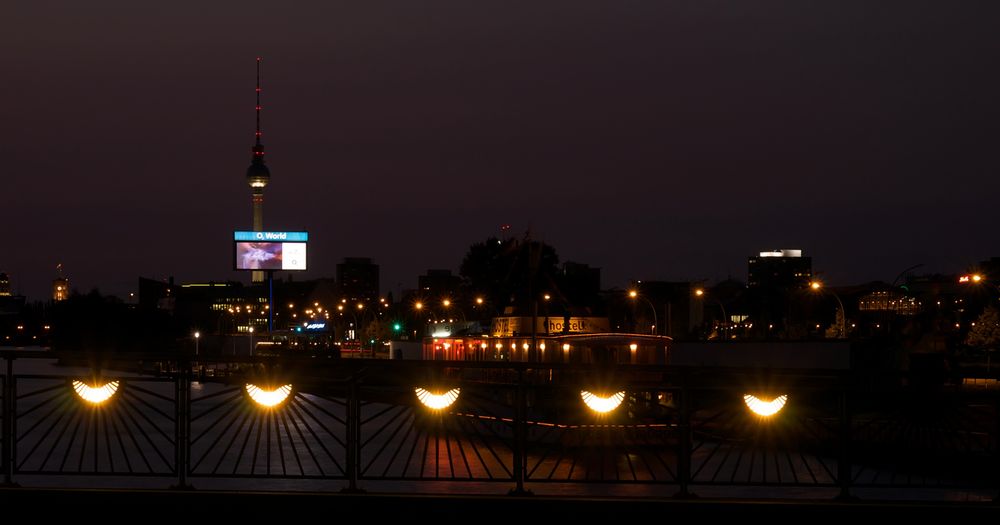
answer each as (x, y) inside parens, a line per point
(635, 295)
(197, 336)
(841, 328)
(251, 341)
(700, 293)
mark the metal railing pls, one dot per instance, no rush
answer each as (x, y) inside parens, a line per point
(365, 422)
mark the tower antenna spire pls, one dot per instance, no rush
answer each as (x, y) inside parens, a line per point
(258, 175)
(259, 59)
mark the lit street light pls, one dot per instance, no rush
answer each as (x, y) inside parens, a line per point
(635, 295)
(841, 328)
(197, 336)
(700, 293)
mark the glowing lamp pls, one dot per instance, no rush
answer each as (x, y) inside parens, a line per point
(601, 404)
(437, 401)
(95, 394)
(765, 408)
(268, 398)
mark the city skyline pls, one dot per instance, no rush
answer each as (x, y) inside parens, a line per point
(654, 142)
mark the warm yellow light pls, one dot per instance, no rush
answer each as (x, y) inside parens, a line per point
(976, 278)
(197, 335)
(815, 285)
(699, 292)
(547, 297)
(633, 347)
(541, 346)
(95, 394)
(765, 408)
(633, 294)
(268, 398)
(437, 401)
(360, 306)
(446, 302)
(479, 300)
(602, 405)
(565, 347)
(499, 346)
(418, 305)
(525, 346)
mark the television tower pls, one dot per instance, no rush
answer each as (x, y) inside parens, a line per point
(257, 177)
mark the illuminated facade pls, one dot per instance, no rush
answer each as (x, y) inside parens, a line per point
(4, 285)
(556, 340)
(60, 289)
(886, 301)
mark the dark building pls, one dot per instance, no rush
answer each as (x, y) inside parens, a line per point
(675, 307)
(439, 283)
(211, 308)
(581, 284)
(10, 304)
(779, 270)
(357, 278)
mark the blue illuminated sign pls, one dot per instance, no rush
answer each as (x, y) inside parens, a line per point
(271, 236)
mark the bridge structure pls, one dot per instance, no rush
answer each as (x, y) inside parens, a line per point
(444, 426)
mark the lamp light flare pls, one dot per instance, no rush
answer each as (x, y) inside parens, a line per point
(95, 394)
(765, 408)
(268, 398)
(602, 405)
(437, 401)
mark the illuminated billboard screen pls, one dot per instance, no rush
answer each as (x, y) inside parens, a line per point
(270, 250)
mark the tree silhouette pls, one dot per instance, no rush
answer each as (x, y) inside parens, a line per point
(985, 334)
(510, 271)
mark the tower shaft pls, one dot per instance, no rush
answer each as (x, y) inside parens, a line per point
(258, 175)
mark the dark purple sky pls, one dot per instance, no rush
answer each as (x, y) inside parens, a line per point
(656, 140)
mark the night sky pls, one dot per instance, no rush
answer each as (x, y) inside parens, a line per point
(656, 140)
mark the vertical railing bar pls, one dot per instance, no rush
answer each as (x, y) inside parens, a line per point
(843, 457)
(7, 438)
(684, 451)
(353, 449)
(520, 438)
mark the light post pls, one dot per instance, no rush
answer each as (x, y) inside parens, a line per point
(700, 292)
(842, 321)
(446, 303)
(197, 336)
(251, 341)
(634, 294)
